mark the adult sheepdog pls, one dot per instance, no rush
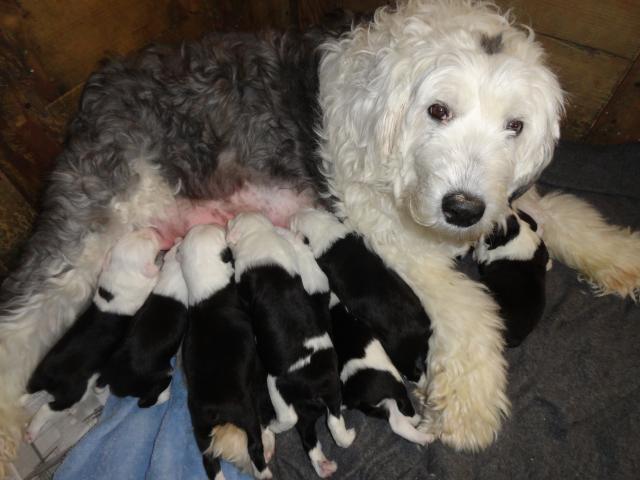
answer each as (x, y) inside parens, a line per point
(430, 119)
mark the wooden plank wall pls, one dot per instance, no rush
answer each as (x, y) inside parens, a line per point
(48, 48)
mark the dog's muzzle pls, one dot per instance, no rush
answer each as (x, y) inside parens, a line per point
(462, 209)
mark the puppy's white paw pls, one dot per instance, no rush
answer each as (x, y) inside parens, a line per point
(341, 435)
(323, 466)
(164, 396)
(268, 444)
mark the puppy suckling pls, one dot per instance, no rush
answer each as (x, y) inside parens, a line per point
(129, 274)
(370, 381)
(370, 290)
(140, 367)
(512, 262)
(291, 334)
(224, 377)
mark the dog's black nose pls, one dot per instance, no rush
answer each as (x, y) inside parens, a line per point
(462, 209)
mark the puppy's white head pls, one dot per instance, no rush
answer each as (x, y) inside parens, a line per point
(245, 224)
(445, 107)
(313, 278)
(319, 227)
(171, 283)
(205, 261)
(255, 242)
(130, 270)
(513, 239)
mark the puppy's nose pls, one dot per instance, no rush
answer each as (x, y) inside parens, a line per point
(462, 209)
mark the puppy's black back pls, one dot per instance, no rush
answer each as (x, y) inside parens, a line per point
(519, 289)
(379, 297)
(368, 387)
(350, 336)
(219, 356)
(142, 360)
(81, 351)
(283, 313)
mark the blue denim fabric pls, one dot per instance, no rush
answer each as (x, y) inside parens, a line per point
(131, 443)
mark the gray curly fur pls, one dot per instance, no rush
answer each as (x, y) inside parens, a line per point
(212, 114)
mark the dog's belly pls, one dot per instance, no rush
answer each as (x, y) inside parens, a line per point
(276, 203)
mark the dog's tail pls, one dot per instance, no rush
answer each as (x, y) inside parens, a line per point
(231, 443)
(575, 233)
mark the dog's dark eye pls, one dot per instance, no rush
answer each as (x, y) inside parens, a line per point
(439, 112)
(305, 240)
(515, 126)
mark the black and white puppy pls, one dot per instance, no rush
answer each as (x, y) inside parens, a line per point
(220, 360)
(370, 381)
(512, 262)
(129, 274)
(370, 290)
(140, 367)
(292, 336)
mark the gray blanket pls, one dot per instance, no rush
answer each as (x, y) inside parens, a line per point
(574, 382)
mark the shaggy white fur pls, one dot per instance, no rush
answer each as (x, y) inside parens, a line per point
(606, 255)
(391, 162)
(26, 335)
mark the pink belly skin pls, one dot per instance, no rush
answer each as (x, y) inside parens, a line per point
(278, 204)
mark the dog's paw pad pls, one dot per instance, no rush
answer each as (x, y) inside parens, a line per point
(326, 468)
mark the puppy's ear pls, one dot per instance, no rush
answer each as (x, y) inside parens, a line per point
(106, 261)
(150, 270)
(227, 256)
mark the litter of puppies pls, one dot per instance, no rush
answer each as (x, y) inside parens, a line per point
(277, 328)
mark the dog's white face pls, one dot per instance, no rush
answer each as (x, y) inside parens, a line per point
(449, 110)
(480, 127)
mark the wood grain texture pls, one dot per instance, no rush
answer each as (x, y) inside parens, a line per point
(70, 39)
(609, 25)
(49, 47)
(16, 218)
(28, 143)
(245, 15)
(619, 121)
(589, 77)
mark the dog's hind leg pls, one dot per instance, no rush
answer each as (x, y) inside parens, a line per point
(342, 435)
(306, 427)
(256, 450)
(576, 234)
(210, 462)
(212, 467)
(402, 425)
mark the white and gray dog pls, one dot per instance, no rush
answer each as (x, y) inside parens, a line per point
(417, 129)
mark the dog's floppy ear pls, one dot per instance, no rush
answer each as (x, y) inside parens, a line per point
(150, 270)
(106, 261)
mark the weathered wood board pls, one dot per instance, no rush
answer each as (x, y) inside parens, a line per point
(609, 25)
(16, 216)
(620, 120)
(588, 76)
